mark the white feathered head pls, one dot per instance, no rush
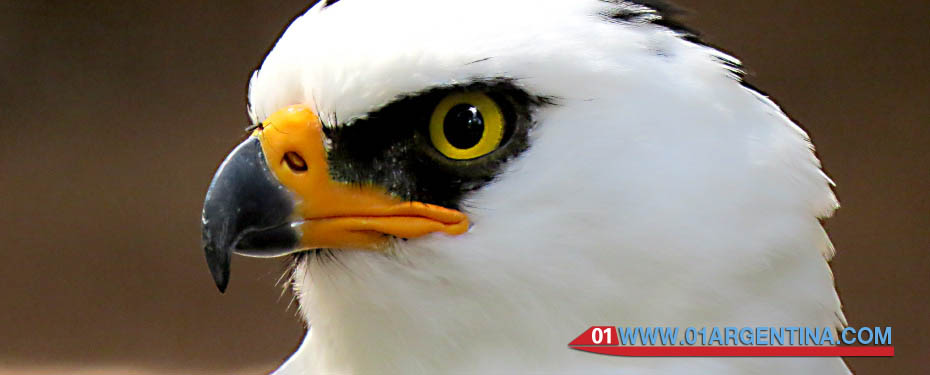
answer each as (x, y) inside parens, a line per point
(469, 184)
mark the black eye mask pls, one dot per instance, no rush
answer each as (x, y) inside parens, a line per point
(392, 147)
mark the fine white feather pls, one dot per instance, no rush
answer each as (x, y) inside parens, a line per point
(657, 191)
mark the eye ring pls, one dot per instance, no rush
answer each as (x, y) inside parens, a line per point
(466, 109)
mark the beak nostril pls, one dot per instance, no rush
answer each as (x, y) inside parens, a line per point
(295, 162)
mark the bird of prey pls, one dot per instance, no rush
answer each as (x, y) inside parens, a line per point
(464, 186)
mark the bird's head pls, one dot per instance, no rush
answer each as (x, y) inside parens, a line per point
(485, 147)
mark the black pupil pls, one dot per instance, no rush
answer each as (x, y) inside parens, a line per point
(463, 126)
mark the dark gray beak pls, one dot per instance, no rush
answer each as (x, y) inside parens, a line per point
(246, 211)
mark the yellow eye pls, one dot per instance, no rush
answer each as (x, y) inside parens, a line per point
(466, 126)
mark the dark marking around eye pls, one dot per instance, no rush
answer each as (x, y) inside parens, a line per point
(391, 147)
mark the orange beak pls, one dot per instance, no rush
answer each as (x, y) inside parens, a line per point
(335, 214)
(274, 196)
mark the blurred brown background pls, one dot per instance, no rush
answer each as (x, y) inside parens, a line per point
(114, 116)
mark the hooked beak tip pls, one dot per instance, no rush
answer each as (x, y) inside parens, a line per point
(221, 285)
(218, 261)
(244, 197)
